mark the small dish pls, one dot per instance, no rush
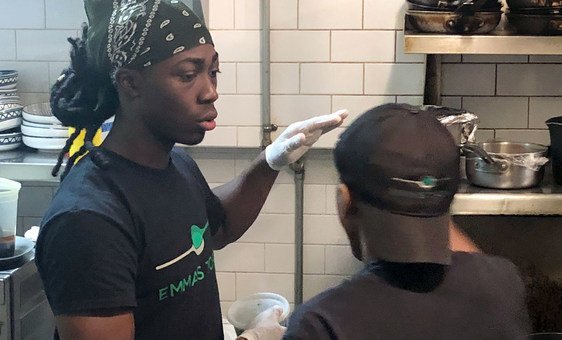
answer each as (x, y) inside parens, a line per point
(44, 143)
(33, 131)
(8, 79)
(10, 118)
(10, 141)
(243, 311)
(39, 113)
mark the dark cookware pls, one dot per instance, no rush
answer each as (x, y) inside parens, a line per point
(539, 11)
(453, 22)
(516, 4)
(440, 5)
(536, 24)
(504, 165)
(555, 128)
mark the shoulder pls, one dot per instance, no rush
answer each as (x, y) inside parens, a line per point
(483, 263)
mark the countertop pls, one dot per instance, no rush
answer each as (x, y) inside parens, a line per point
(26, 164)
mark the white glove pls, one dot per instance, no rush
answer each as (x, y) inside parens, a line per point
(265, 326)
(299, 137)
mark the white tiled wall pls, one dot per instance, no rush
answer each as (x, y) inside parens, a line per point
(326, 55)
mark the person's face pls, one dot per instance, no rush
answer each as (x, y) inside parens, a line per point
(178, 96)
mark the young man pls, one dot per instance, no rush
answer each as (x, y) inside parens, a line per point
(399, 170)
(126, 248)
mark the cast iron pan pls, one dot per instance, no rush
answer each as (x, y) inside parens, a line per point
(536, 24)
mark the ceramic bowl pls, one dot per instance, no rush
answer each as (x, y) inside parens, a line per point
(243, 311)
(44, 143)
(10, 141)
(8, 79)
(10, 118)
(39, 113)
(43, 131)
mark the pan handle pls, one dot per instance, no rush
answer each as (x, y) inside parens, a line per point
(478, 151)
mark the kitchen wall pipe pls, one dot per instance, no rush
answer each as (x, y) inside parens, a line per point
(432, 90)
(267, 128)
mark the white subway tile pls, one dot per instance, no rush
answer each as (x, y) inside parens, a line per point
(64, 14)
(226, 83)
(45, 45)
(331, 78)
(271, 228)
(356, 105)
(340, 260)
(542, 109)
(248, 78)
(529, 80)
(331, 204)
(362, 46)
(412, 100)
(281, 200)
(313, 259)
(280, 258)
(530, 136)
(451, 58)
(499, 112)
(468, 79)
(321, 171)
(455, 102)
(220, 136)
(316, 284)
(545, 59)
(221, 14)
(300, 46)
(251, 283)
(484, 135)
(217, 170)
(284, 78)
(247, 14)
(241, 257)
(330, 14)
(384, 14)
(402, 57)
(33, 77)
(22, 14)
(283, 14)
(8, 45)
(227, 286)
(324, 229)
(238, 46)
(397, 79)
(249, 136)
(239, 110)
(499, 59)
(286, 110)
(32, 98)
(314, 199)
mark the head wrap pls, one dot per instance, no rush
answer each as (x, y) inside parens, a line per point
(140, 33)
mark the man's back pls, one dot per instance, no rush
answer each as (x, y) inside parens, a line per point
(481, 297)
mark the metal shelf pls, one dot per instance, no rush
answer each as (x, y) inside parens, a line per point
(481, 44)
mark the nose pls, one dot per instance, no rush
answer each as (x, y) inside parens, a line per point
(209, 92)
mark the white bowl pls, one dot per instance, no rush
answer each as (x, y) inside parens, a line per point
(8, 79)
(47, 131)
(44, 143)
(44, 126)
(10, 118)
(243, 311)
(10, 141)
(39, 113)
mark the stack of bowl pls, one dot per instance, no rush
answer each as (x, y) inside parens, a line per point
(534, 17)
(41, 130)
(10, 111)
(453, 16)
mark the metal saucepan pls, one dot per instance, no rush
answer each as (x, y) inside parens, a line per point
(505, 165)
(536, 24)
(516, 4)
(451, 5)
(453, 22)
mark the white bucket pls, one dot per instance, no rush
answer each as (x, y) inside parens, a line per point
(9, 191)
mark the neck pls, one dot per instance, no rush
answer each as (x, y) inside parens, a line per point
(133, 141)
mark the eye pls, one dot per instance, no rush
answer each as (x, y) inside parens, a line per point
(187, 77)
(214, 73)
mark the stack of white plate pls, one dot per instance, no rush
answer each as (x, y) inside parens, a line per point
(10, 111)
(41, 130)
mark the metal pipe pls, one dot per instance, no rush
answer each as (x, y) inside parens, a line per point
(432, 90)
(267, 127)
(299, 169)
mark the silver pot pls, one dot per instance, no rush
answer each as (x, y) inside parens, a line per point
(505, 165)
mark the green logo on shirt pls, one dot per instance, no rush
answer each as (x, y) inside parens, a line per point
(197, 245)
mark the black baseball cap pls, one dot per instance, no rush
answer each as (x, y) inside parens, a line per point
(403, 165)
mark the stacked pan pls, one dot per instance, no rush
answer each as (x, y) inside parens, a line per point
(454, 16)
(535, 17)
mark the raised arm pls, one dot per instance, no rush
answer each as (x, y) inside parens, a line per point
(243, 197)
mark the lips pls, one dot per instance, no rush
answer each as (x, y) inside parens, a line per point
(208, 125)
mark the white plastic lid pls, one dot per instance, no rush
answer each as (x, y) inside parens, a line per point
(243, 311)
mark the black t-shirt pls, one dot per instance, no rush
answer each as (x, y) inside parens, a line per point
(119, 236)
(480, 297)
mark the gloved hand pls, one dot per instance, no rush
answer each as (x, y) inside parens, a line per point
(265, 326)
(299, 137)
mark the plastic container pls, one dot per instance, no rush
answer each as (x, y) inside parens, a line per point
(9, 192)
(243, 311)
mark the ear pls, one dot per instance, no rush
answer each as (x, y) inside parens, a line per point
(347, 211)
(129, 82)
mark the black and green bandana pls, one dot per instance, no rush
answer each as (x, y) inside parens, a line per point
(140, 33)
